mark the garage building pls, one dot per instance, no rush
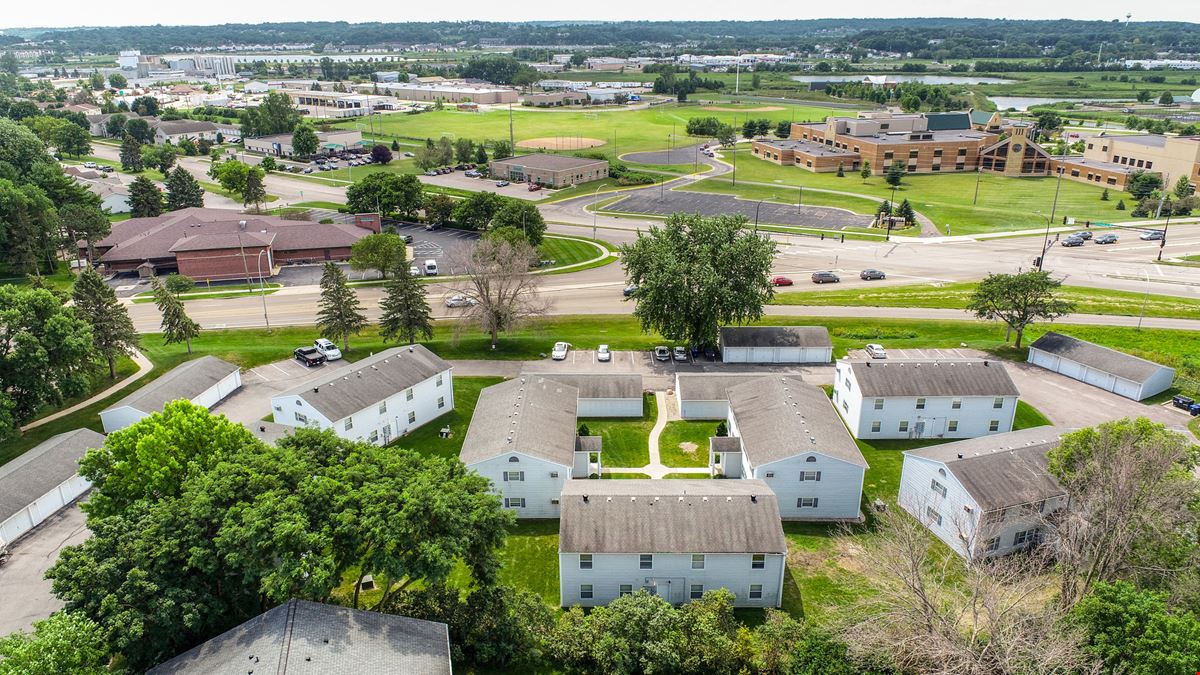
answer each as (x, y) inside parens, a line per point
(554, 171)
(776, 344)
(1108, 369)
(704, 396)
(37, 484)
(205, 381)
(603, 394)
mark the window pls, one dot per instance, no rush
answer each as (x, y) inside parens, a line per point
(625, 589)
(408, 394)
(962, 152)
(373, 436)
(349, 424)
(758, 561)
(646, 561)
(412, 417)
(847, 384)
(845, 405)
(585, 561)
(585, 591)
(933, 515)
(876, 426)
(887, 155)
(514, 458)
(698, 561)
(770, 474)
(441, 402)
(994, 425)
(514, 476)
(879, 404)
(278, 408)
(991, 544)
(952, 425)
(956, 404)
(998, 402)
(903, 426)
(912, 154)
(1024, 537)
(937, 152)
(302, 418)
(810, 475)
(920, 404)
(806, 502)
(554, 474)
(439, 380)
(937, 487)
(697, 591)
(514, 502)
(755, 591)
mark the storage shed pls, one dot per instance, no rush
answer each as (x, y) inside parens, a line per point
(776, 344)
(603, 394)
(205, 381)
(703, 396)
(46, 478)
(1108, 369)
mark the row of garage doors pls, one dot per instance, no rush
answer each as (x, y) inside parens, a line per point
(777, 354)
(45, 506)
(1083, 373)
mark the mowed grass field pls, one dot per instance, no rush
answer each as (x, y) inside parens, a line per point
(621, 129)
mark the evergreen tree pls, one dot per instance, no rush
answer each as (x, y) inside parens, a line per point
(131, 154)
(183, 190)
(1104, 195)
(255, 191)
(481, 154)
(395, 145)
(176, 324)
(145, 199)
(113, 335)
(406, 313)
(339, 312)
(1121, 205)
(895, 174)
(841, 172)
(905, 211)
(865, 172)
(305, 141)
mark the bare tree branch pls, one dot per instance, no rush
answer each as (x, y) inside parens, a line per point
(497, 281)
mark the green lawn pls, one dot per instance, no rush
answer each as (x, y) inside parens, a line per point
(529, 560)
(61, 280)
(565, 251)
(624, 475)
(1028, 417)
(626, 439)
(426, 440)
(684, 443)
(957, 295)
(687, 476)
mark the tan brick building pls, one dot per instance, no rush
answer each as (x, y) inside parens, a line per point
(1111, 160)
(550, 170)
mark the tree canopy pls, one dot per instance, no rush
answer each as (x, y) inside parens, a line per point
(1019, 300)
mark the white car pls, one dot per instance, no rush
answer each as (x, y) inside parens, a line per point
(415, 271)
(89, 165)
(603, 354)
(328, 349)
(560, 350)
(876, 351)
(459, 301)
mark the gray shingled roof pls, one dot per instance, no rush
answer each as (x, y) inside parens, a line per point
(44, 466)
(187, 381)
(530, 415)
(310, 638)
(1092, 355)
(599, 385)
(781, 417)
(669, 516)
(547, 162)
(711, 386)
(725, 444)
(1001, 470)
(343, 391)
(948, 377)
(172, 127)
(775, 336)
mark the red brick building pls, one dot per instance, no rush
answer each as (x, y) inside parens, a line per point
(219, 245)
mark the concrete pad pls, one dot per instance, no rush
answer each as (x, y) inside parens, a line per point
(252, 401)
(26, 593)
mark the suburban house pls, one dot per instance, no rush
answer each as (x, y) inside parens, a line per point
(555, 171)
(114, 197)
(603, 394)
(311, 637)
(776, 344)
(1108, 369)
(221, 245)
(376, 399)
(98, 122)
(952, 398)
(673, 538)
(174, 131)
(785, 433)
(984, 496)
(36, 484)
(705, 396)
(280, 145)
(523, 438)
(205, 381)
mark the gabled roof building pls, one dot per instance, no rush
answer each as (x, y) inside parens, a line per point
(44, 479)
(205, 381)
(1122, 374)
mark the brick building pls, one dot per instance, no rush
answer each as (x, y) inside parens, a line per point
(219, 244)
(550, 170)
(1110, 160)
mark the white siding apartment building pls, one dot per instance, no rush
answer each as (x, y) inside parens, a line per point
(523, 438)
(677, 539)
(604, 394)
(376, 399)
(984, 496)
(704, 396)
(35, 485)
(785, 433)
(205, 381)
(956, 398)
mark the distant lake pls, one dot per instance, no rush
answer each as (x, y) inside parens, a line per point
(1023, 102)
(905, 77)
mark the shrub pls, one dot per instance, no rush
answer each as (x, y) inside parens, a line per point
(584, 431)
(179, 283)
(722, 429)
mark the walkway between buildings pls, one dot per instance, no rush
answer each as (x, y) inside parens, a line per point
(144, 366)
(656, 469)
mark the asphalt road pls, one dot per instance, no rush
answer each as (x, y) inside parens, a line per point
(665, 202)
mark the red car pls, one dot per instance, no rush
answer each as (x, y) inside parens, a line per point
(781, 281)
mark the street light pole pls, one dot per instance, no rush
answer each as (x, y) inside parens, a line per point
(595, 199)
(756, 209)
(1045, 241)
(262, 287)
(1057, 187)
(978, 173)
(1162, 243)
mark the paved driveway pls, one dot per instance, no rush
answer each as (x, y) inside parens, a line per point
(660, 375)
(253, 401)
(656, 202)
(458, 179)
(445, 245)
(25, 593)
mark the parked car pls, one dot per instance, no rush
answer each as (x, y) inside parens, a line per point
(89, 165)
(415, 271)
(1152, 235)
(307, 169)
(1107, 238)
(876, 351)
(825, 278)
(408, 154)
(1181, 401)
(431, 227)
(308, 356)
(560, 351)
(1072, 241)
(781, 281)
(329, 350)
(431, 172)
(431, 268)
(871, 273)
(472, 174)
(534, 187)
(1085, 235)
(408, 238)
(459, 301)
(680, 353)
(661, 353)
(502, 183)
(603, 354)
(630, 290)
(105, 169)
(711, 353)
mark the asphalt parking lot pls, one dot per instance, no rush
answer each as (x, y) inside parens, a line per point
(458, 179)
(652, 202)
(252, 402)
(443, 245)
(26, 593)
(660, 375)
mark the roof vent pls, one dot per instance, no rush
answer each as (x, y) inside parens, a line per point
(704, 499)
(609, 499)
(681, 498)
(241, 224)
(585, 498)
(754, 499)
(410, 348)
(986, 363)
(316, 389)
(960, 455)
(262, 427)
(728, 499)
(633, 498)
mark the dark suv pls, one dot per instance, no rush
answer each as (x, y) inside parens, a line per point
(308, 356)
(825, 278)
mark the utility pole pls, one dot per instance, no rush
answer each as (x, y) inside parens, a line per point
(512, 146)
(1057, 187)
(978, 173)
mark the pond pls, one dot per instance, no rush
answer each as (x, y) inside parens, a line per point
(907, 77)
(1024, 102)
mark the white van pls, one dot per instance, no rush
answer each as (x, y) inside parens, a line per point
(431, 269)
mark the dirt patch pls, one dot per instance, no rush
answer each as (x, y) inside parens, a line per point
(688, 447)
(765, 108)
(560, 143)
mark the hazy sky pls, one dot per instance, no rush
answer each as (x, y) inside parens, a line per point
(127, 12)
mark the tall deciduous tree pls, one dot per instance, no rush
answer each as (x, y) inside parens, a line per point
(255, 191)
(176, 324)
(695, 274)
(377, 252)
(406, 315)
(1137, 631)
(183, 190)
(145, 199)
(497, 278)
(476, 211)
(113, 335)
(28, 227)
(140, 129)
(274, 115)
(523, 216)
(83, 222)
(339, 312)
(438, 209)
(1019, 300)
(131, 154)
(380, 154)
(386, 193)
(67, 642)
(304, 140)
